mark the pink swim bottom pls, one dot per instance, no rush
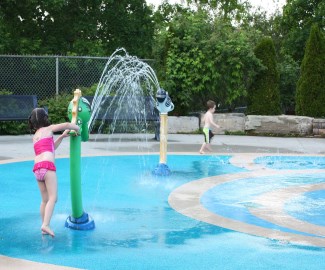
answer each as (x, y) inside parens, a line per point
(40, 169)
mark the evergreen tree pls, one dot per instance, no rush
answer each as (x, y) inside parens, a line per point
(310, 94)
(264, 95)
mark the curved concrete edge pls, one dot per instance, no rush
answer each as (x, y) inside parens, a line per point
(186, 200)
(271, 208)
(18, 264)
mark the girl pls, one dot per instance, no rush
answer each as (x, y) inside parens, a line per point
(44, 167)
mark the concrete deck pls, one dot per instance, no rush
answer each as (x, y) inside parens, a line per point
(20, 147)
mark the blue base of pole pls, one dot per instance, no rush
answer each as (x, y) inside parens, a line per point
(83, 223)
(162, 170)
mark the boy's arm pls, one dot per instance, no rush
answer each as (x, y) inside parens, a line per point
(212, 122)
(216, 125)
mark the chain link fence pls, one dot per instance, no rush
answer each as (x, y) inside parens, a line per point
(47, 76)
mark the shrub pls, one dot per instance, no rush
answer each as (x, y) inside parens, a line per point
(264, 95)
(310, 93)
(57, 107)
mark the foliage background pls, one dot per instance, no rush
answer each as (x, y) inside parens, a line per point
(201, 50)
(264, 95)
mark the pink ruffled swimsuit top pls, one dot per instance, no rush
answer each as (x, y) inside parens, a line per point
(44, 145)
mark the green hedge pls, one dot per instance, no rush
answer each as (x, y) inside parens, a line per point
(310, 94)
(264, 94)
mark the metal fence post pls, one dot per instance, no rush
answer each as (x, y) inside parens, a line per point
(57, 76)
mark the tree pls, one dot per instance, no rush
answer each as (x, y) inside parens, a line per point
(310, 95)
(264, 95)
(18, 29)
(204, 59)
(234, 62)
(76, 27)
(126, 24)
(186, 69)
(227, 10)
(289, 74)
(298, 17)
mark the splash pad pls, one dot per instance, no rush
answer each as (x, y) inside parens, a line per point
(130, 82)
(125, 87)
(137, 228)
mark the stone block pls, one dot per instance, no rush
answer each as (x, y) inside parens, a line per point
(182, 124)
(279, 124)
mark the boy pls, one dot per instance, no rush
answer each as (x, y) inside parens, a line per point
(208, 123)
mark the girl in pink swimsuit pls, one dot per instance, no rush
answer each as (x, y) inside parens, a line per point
(44, 167)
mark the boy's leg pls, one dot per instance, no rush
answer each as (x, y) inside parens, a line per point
(51, 187)
(206, 140)
(202, 148)
(208, 146)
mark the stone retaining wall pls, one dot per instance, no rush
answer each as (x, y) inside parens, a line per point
(254, 124)
(319, 126)
(281, 124)
(182, 124)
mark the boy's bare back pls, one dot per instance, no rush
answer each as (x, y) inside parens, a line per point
(208, 119)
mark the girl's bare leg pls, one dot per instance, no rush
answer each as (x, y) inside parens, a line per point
(44, 195)
(51, 188)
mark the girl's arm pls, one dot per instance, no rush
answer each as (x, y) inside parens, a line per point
(60, 138)
(64, 126)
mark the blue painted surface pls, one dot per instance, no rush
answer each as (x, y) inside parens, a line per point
(292, 162)
(236, 204)
(135, 226)
(309, 207)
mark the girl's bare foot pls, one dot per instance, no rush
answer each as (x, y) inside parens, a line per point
(47, 230)
(201, 152)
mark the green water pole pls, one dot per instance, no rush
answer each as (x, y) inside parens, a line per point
(79, 113)
(75, 176)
